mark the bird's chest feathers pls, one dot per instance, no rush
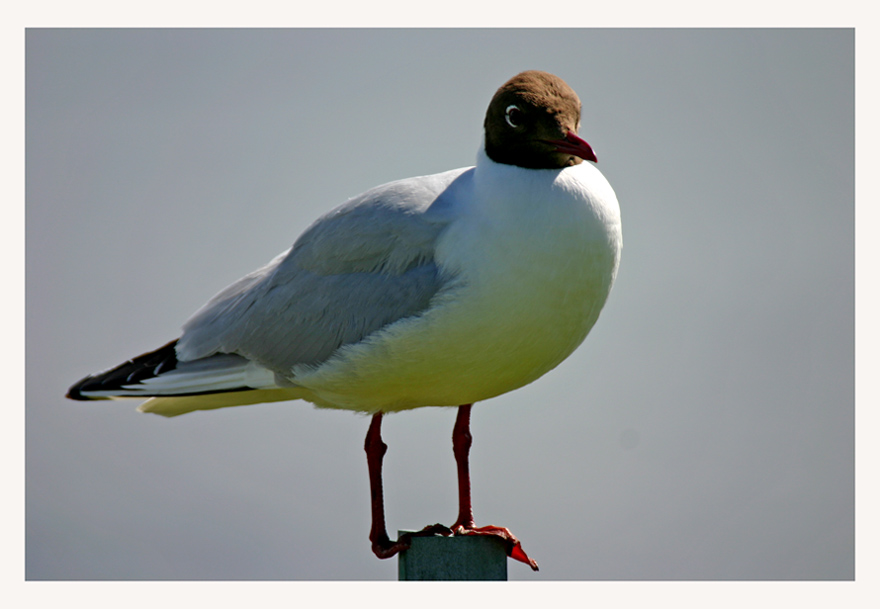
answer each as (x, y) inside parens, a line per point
(528, 265)
(538, 268)
(532, 261)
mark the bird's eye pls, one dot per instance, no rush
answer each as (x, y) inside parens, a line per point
(514, 116)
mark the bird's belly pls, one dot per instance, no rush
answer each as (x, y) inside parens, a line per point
(502, 324)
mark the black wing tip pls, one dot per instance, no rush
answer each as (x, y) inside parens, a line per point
(75, 391)
(131, 372)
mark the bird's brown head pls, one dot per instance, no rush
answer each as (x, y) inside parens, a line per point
(532, 122)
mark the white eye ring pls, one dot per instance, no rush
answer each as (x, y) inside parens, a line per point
(507, 115)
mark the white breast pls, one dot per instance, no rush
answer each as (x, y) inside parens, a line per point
(535, 253)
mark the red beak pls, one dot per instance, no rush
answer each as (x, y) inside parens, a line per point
(572, 144)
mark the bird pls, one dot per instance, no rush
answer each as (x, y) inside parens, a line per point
(439, 290)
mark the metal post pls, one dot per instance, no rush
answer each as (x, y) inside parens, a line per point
(466, 557)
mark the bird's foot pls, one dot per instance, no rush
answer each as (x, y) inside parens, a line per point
(513, 545)
(385, 548)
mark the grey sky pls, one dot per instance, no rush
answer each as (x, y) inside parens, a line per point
(703, 431)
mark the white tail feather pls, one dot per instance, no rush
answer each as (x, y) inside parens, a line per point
(174, 406)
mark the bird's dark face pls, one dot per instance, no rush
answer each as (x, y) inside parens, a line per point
(532, 122)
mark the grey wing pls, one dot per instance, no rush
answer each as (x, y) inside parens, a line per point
(364, 265)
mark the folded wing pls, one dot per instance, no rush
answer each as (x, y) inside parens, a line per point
(366, 264)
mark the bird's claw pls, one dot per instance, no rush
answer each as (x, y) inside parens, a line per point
(511, 543)
(517, 553)
(385, 548)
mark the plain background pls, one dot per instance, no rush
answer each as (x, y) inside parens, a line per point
(705, 429)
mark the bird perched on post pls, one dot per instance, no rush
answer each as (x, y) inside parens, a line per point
(439, 290)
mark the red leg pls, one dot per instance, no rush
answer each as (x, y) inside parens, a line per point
(375, 449)
(383, 547)
(461, 446)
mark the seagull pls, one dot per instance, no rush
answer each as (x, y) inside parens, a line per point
(438, 290)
